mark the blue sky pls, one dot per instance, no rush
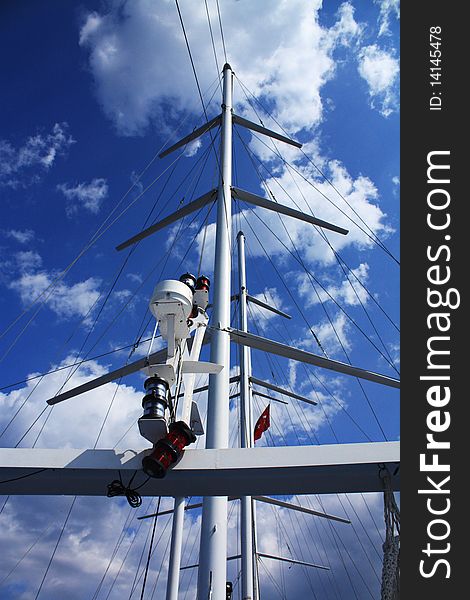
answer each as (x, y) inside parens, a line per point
(90, 94)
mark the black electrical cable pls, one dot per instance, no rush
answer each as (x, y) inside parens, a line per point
(117, 488)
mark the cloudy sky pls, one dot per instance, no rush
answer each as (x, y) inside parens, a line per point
(91, 92)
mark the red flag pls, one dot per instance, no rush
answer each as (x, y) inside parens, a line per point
(262, 424)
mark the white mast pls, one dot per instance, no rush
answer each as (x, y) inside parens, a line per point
(174, 564)
(246, 432)
(213, 549)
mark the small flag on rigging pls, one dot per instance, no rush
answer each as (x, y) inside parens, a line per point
(262, 424)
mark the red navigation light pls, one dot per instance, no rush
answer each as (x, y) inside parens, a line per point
(203, 283)
(168, 450)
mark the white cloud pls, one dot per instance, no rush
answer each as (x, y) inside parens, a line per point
(21, 236)
(192, 148)
(349, 292)
(28, 261)
(333, 334)
(88, 196)
(380, 70)
(292, 189)
(286, 63)
(77, 413)
(40, 151)
(346, 30)
(388, 8)
(65, 300)
(91, 26)
(289, 59)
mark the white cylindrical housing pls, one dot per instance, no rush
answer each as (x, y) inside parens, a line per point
(172, 297)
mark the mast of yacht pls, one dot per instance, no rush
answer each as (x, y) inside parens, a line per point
(213, 545)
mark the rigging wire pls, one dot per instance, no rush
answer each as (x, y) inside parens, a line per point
(347, 356)
(221, 30)
(41, 536)
(139, 526)
(55, 547)
(377, 240)
(153, 552)
(303, 421)
(51, 288)
(336, 255)
(348, 498)
(191, 58)
(281, 435)
(324, 235)
(127, 522)
(100, 231)
(320, 381)
(286, 534)
(297, 258)
(68, 366)
(160, 569)
(77, 364)
(212, 41)
(147, 564)
(175, 240)
(150, 549)
(143, 282)
(135, 292)
(351, 559)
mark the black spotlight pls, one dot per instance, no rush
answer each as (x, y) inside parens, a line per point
(168, 450)
(189, 280)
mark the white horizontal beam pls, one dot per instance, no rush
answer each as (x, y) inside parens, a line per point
(192, 136)
(298, 508)
(285, 210)
(259, 343)
(261, 395)
(156, 358)
(274, 310)
(271, 556)
(276, 388)
(287, 470)
(260, 129)
(292, 560)
(267, 500)
(187, 209)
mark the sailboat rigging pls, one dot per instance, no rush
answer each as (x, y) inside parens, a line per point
(171, 420)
